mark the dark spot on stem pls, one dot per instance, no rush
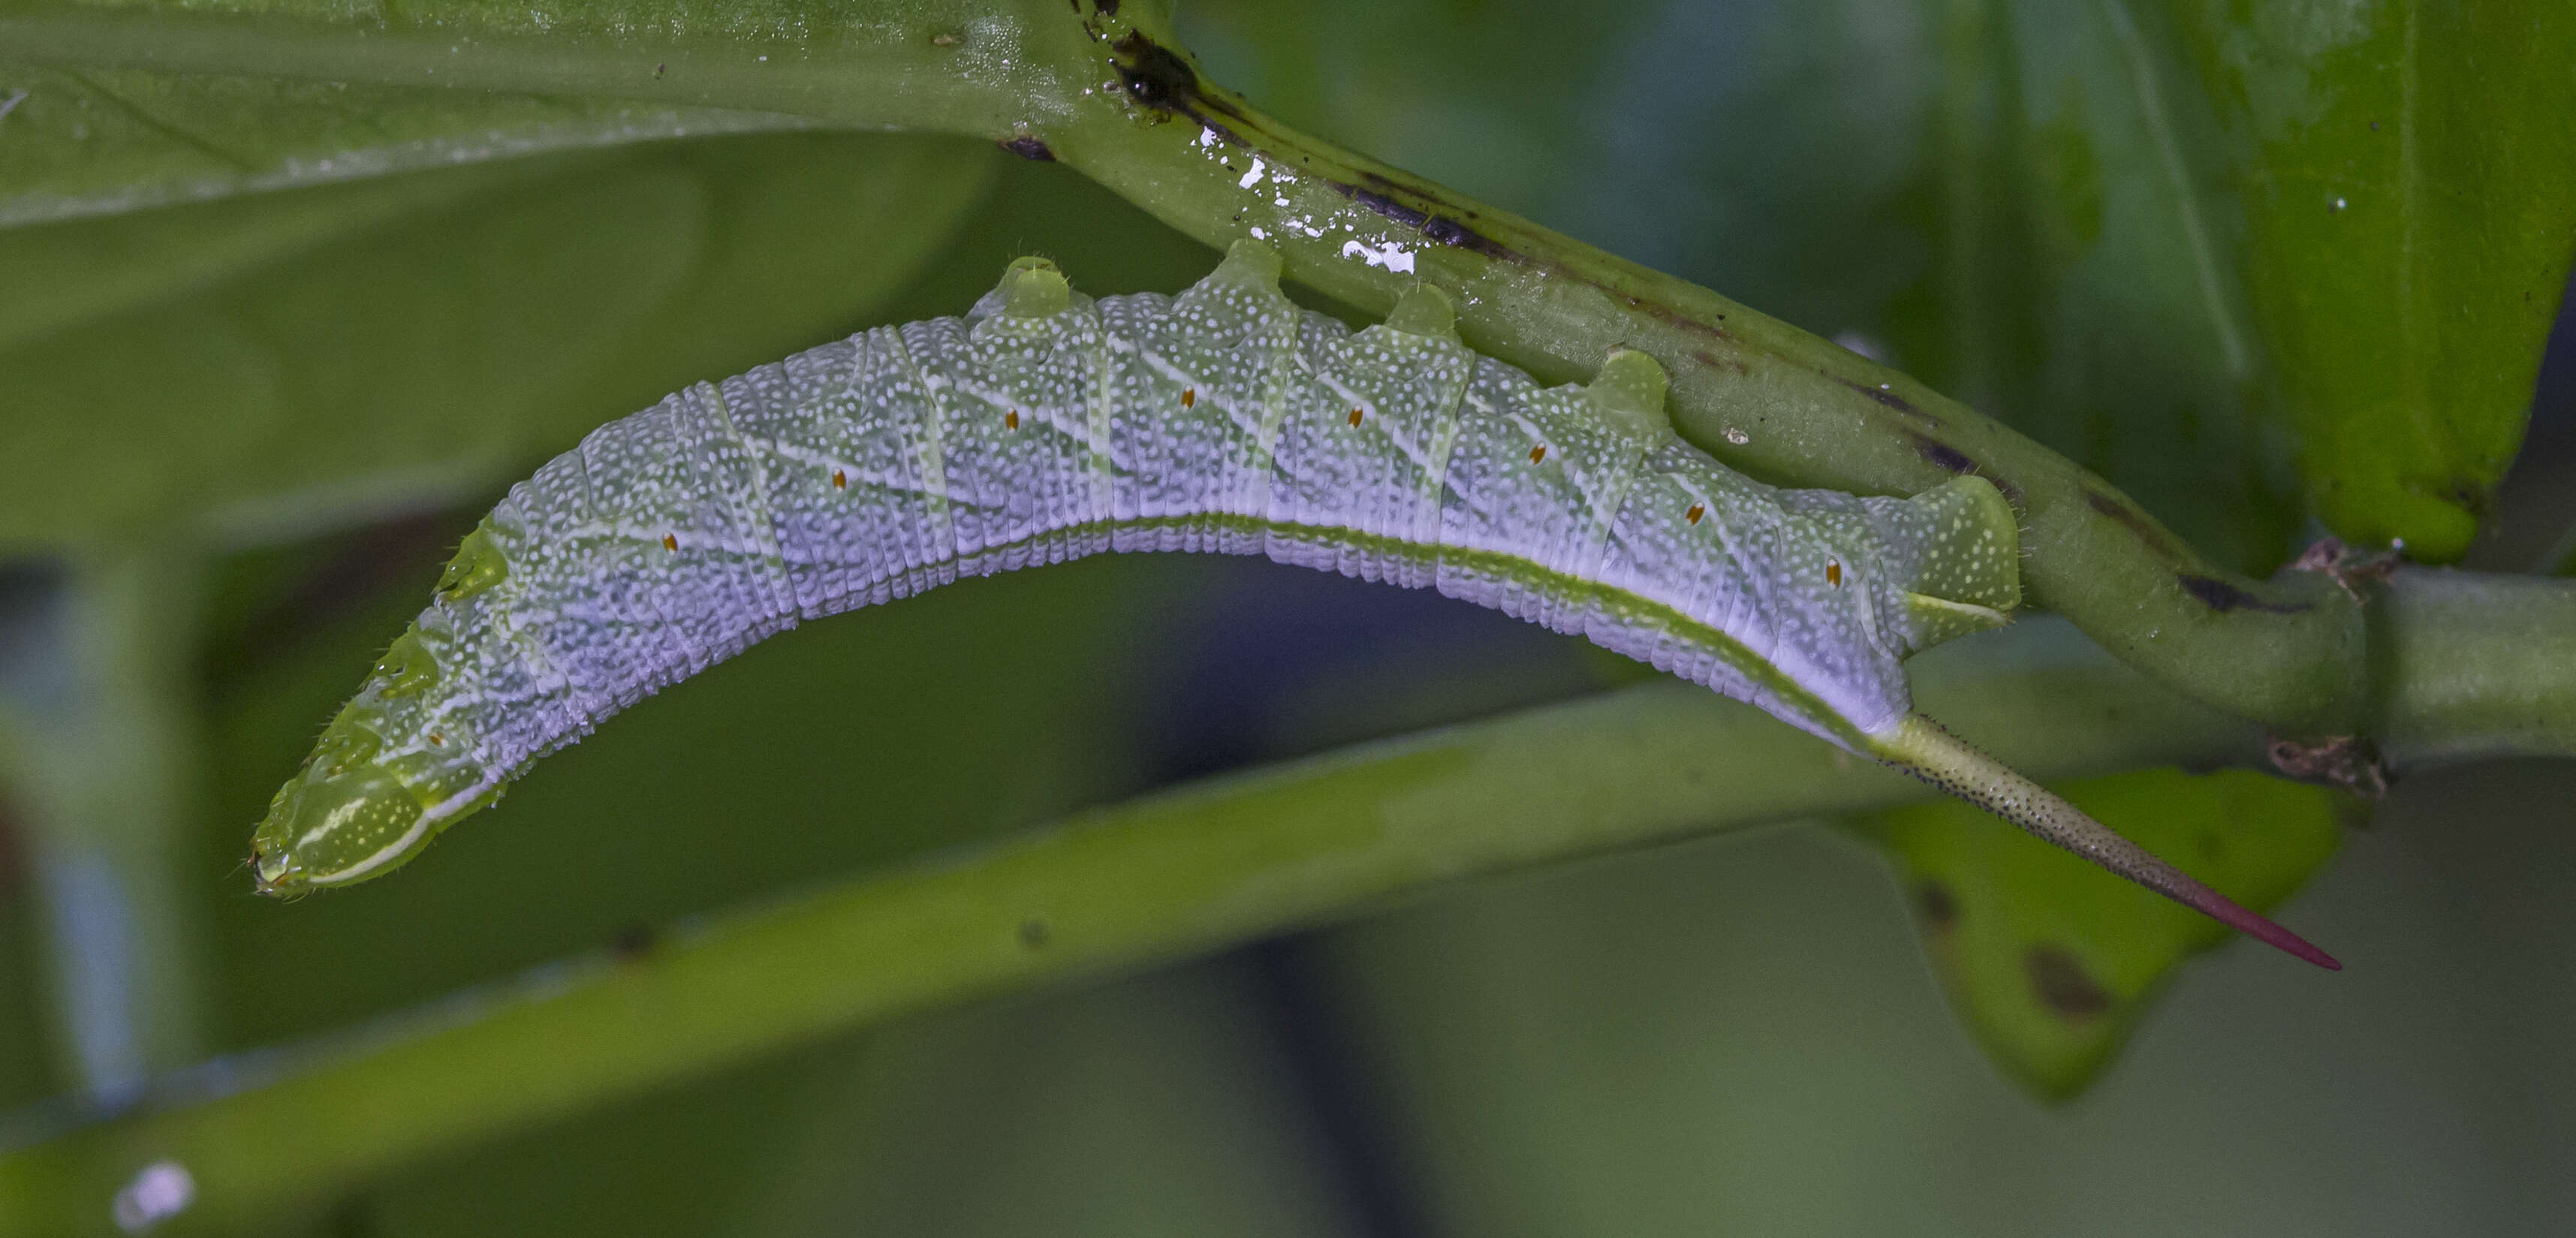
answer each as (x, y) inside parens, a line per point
(2062, 985)
(1387, 206)
(1459, 236)
(1155, 76)
(1942, 454)
(1027, 147)
(1675, 318)
(2136, 522)
(1903, 406)
(1106, 8)
(1713, 361)
(1939, 909)
(1034, 932)
(1158, 79)
(1951, 459)
(1434, 227)
(2221, 596)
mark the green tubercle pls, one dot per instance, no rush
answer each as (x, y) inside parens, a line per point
(1249, 264)
(1425, 311)
(477, 566)
(1032, 287)
(1629, 392)
(407, 668)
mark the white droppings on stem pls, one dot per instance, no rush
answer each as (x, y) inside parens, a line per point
(1390, 255)
(1252, 177)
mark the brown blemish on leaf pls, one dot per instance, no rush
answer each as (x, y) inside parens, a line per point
(2059, 980)
(1939, 909)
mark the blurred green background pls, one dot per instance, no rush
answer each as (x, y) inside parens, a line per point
(319, 388)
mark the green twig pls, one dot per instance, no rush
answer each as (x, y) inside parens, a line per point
(2472, 666)
(1171, 875)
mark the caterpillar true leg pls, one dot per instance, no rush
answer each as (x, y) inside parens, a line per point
(1046, 426)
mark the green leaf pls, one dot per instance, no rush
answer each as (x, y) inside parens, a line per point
(262, 365)
(2110, 224)
(84, 142)
(2409, 185)
(2087, 283)
(1980, 194)
(2052, 961)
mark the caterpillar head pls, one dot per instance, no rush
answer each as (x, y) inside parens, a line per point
(382, 779)
(331, 822)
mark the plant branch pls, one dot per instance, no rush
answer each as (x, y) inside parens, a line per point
(1114, 96)
(1171, 875)
(2472, 666)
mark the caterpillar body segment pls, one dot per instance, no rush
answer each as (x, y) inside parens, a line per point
(1046, 426)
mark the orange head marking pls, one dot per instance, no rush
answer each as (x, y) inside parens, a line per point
(840, 480)
(1697, 510)
(1011, 420)
(671, 542)
(1189, 397)
(1355, 417)
(1538, 453)
(1834, 573)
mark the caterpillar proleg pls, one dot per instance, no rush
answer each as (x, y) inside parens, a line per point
(1047, 426)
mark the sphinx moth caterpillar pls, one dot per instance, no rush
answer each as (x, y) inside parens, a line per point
(1047, 426)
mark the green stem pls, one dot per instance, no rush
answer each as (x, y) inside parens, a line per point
(2472, 666)
(1115, 97)
(1171, 875)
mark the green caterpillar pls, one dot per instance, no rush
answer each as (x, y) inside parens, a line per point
(1046, 426)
